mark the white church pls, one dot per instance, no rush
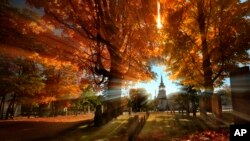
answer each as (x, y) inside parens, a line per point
(161, 99)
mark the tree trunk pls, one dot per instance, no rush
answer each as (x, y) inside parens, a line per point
(114, 96)
(54, 108)
(193, 108)
(187, 108)
(29, 110)
(10, 111)
(206, 63)
(193, 102)
(114, 80)
(43, 110)
(114, 89)
(208, 83)
(2, 106)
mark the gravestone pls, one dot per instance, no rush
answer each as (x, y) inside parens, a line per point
(102, 109)
(130, 111)
(240, 90)
(88, 109)
(98, 119)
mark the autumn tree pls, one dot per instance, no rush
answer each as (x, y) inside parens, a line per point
(28, 82)
(191, 97)
(24, 33)
(88, 98)
(120, 35)
(61, 83)
(21, 80)
(5, 81)
(138, 99)
(206, 39)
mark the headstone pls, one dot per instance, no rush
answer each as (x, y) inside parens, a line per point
(240, 90)
(130, 111)
(88, 109)
(102, 109)
(98, 116)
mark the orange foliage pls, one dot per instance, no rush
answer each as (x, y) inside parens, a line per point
(222, 135)
(201, 41)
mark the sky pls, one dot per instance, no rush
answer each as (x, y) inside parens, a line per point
(22, 4)
(152, 86)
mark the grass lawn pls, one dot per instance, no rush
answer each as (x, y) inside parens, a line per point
(164, 126)
(24, 129)
(159, 127)
(115, 130)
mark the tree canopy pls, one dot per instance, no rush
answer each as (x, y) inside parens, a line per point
(206, 39)
(113, 34)
(106, 41)
(54, 50)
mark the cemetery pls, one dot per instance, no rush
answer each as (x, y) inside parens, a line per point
(119, 70)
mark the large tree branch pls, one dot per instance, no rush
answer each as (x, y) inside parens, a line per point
(218, 74)
(95, 79)
(195, 64)
(86, 32)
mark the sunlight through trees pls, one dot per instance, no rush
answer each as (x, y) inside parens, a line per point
(56, 50)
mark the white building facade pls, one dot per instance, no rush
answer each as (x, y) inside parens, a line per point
(162, 102)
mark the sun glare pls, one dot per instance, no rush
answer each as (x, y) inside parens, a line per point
(159, 24)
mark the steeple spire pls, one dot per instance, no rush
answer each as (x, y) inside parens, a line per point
(162, 84)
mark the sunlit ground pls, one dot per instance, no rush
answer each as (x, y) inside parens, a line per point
(159, 126)
(115, 130)
(164, 127)
(23, 129)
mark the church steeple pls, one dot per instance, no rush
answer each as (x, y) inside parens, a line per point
(161, 84)
(162, 103)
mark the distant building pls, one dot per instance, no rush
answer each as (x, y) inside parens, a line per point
(161, 99)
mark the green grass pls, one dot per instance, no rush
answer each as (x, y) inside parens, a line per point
(114, 130)
(158, 127)
(164, 127)
(110, 131)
